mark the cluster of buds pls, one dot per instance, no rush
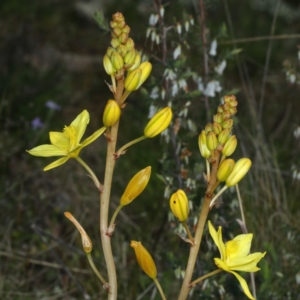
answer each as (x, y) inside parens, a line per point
(217, 135)
(122, 56)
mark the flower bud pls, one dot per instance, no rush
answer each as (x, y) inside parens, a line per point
(129, 44)
(130, 57)
(205, 152)
(144, 259)
(109, 51)
(220, 109)
(122, 50)
(240, 169)
(111, 113)
(117, 31)
(218, 118)
(208, 128)
(179, 205)
(126, 29)
(109, 69)
(211, 141)
(132, 80)
(226, 106)
(233, 111)
(230, 146)
(227, 124)
(136, 186)
(226, 115)
(158, 123)
(224, 136)
(117, 60)
(86, 242)
(136, 63)
(229, 98)
(123, 38)
(118, 17)
(225, 169)
(146, 68)
(115, 42)
(217, 128)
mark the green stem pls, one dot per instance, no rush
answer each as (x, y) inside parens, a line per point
(160, 289)
(89, 256)
(113, 80)
(205, 276)
(92, 174)
(115, 215)
(119, 152)
(124, 96)
(213, 200)
(188, 231)
(207, 170)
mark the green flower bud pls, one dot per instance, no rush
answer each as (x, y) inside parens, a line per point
(115, 42)
(158, 123)
(224, 136)
(218, 118)
(136, 186)
(217, 128)
(111, 113)
(109, 69)
(146, 68)
(113, 24)
(123, 38)
(117, 31)
(130, 57)
(227, 124)
(179, 205)
(220, 109)
(240, 169)
(109, 51)
(230, 146)
(136, 63)
(208, 128)
(122, 50)
(205, 152)
(117, 61)
(126, 29)
(211, 141)
(129, 44)
(233, 110)
(225, 169)
(132, 80)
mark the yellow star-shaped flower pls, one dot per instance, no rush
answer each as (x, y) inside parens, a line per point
(67, 143)
(235, 255)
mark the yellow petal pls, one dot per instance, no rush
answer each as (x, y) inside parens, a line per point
(213, 234)
(221, 264)
(56, 163)
(221, 244)
(60, 140)
(239, 247)
(244, 285)
(80, 124)
(92, 137)
(47, 151)
(246, 264)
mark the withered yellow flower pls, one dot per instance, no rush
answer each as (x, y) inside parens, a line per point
(144, 259)
(67, 143)
(136, 185)
(235, 255)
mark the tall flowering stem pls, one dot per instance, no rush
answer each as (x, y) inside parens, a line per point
(185, 288)
(105, 197)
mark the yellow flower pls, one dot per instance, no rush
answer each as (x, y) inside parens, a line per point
(235, 255)
(144, 259)
(179, 205)
(67, 143)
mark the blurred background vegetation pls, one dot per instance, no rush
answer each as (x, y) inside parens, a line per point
(51, 69)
